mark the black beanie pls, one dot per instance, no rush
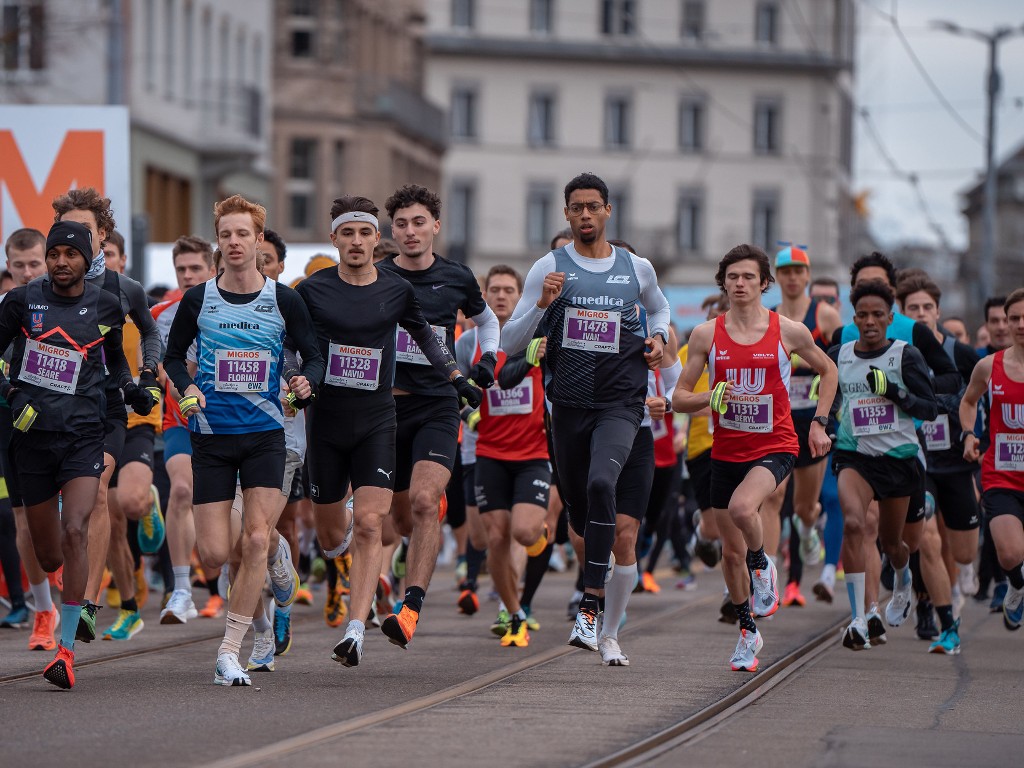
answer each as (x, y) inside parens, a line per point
(74, 234)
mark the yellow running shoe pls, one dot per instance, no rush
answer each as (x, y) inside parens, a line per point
(516, 634)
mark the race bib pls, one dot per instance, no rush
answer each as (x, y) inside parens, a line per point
(243, 370)
(936, 434)
(408, 351)
(800, 393)
(591, 330)
(52, 367)
(517, 401)
(1010, 452)
(748, 413)
(659, 428)
(352, 367)
(873, 416)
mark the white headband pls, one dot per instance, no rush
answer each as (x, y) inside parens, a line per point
(360, 216)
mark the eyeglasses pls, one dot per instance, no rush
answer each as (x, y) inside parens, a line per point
(595, 207)
(828, 299)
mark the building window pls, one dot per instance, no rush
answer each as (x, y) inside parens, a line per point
(169, 46)
(765, 224)
(302, 159)
(691, 125)
(463, 14)
(225, 64)
(149, 21)
(23, 35)
(188, 86)
(461, 216)
(618, 222)
(339, 163)
(302, 7)
(206, 48)
(690, 221)
(767, 116)
(766, 23)
(541, 128)
(300, 206)
(463, 113)
(693, 20)
(542, 16)
(618, 17)
(302, 43)
(539, 210)
(617, 134)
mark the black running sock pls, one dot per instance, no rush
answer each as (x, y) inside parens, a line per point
(579, 579)
(331, 574)
(211, 584)
(1015, 576)
(414, 598)
(536, 567)
(129, 605)
(591, 603)
(600, 603)
(474, 560)
(945, 616)
(304, 563)
(743, 611)
(757, 561)
(915, 572)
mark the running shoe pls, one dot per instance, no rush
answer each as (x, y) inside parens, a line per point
(708, 551)
(214, 607)
(398, 561)
(855, 636)
(344, 565)
(86, 631)
(334, 609)
(400, 627)
(948, 642)
(810, 543)
(765, 588)
(998, 596)
(382, 598)
(282, 632)
(1013, 608)
(727, 612)
(141, 587)
(284, 579)
(468, 602)
(574, 605)
(926, 629)
(61, 671)
(584, 631)
(349, 652)
(540, 544)
(824, 589)
(179, 608)
(649, 584)
(229, 671)
(531, 621)
(262, 657)
(876, 629)
(17, 618)
(127, 626)
(43, 628)
(317, 569)
(968, 580)
(611, 653)
(744, 658)
(516, 634)
(898, 609)
(151, 526)
(461, 569)
(304, 596)
(501, 622)
(793, 596)
(113, 597)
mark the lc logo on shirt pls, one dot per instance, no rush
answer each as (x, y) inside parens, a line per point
(618, 279)
(746, 381)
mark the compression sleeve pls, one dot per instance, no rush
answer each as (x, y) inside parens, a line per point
(139, 311)
(519, 329)
(514, 370)
(659, 313)
(919, 402)
(300, 328)
(946, 376)
(435, 350)
(670, 377)
(488, 331)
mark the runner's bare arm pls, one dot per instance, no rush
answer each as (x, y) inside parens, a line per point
(969, 405)
(684, 400)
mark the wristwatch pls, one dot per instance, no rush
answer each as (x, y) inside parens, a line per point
(965, 434)
(823, 420)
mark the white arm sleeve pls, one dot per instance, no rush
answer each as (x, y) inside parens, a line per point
(488, 331)
(519, 328)
(659, 313)
(670, 376)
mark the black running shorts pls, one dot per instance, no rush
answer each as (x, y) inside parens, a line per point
(803, 434)
(428, 430)
(501, 485)
(220, 462)
(469, 483)
(699, 468)
(726, 476)
(954, 496)
(633, 490)
(1003, 501)
(45, 461)
(115, 434)
(350, 447)
(138, 447)
(888, 477)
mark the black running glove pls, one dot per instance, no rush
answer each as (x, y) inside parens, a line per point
(467, 392)
(482, 373)
(139, 399)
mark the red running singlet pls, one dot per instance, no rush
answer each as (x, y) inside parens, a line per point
(757, 421)
(1002, 466)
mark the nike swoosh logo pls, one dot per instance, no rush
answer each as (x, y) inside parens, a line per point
(435, 287)
(617, 464)
(439, 455)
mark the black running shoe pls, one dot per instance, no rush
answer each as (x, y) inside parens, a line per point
(727, 612)
(86, 631)
(926, 629)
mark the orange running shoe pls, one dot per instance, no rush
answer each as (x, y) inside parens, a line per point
(401, 627)
(214, 607)
(468, 603)
(793, 596)
(57, 579)
(540, 544)
(141, 587)
(650, 585)
(442, 508)
(108, 577)
(304, 596)
(61, 671)
(45, 623)
(335, 609)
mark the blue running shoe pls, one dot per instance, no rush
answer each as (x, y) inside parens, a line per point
(948, 642)
(998, 594)
(282, 632)
(151, 526)
(1013, 608)
(17, 618)
(262, 657)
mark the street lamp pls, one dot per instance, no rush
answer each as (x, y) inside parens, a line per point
(986, 272)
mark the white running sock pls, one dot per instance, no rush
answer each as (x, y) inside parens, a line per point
(616, 596)
(260, 622)
(182, 577)
(855, 591)
(41, 595)
(237, 626)
(828, 573)
(356, 627)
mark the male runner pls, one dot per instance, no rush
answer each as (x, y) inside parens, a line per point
(747, 352)
(56, 393)
(885, 386)
(589, 296)
(239, 321)
(1001, 374)
(426, 410)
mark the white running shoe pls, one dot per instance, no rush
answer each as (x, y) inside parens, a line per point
(898, 609)
(262, 657)
(876, 629)
(347, 541)
(179, 608)
(825, 589)
(855, 636)
(229, 671)
(744, 658)
(584, 631)
(968, 580)
(765, 585)
(284, 579)
(810, 543)
(349, 652)
(611, 654)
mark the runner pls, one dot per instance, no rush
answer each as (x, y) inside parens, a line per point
(56, 392)
(588, 295)
(885, 386)
(1001, 374)
(747, 352)
(351, 430)
(239, 321)
(427, 414)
